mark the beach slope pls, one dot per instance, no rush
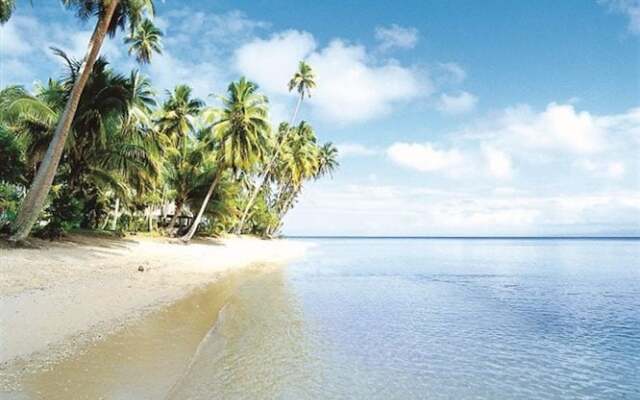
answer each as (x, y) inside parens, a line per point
(85, 287)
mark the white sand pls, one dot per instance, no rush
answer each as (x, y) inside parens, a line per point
(91, 286)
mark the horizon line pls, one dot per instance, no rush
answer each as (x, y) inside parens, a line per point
(493, 237)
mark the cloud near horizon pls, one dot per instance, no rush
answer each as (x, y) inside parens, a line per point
(421, 210)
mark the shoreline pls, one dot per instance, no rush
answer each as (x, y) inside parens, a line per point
(83, 288)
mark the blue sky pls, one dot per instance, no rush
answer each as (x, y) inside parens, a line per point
(453, 118)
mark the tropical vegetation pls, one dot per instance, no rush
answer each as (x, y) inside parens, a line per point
(102, 150)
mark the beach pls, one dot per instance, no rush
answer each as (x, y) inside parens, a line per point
(57, 296)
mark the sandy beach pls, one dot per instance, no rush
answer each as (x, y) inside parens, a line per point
(84, 288)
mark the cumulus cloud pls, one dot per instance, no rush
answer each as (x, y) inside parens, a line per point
(351, 87)
(631, 8)
(395, 36)
(167, 71)
(461, 103)
(498, 162)
(424, 157)
(559, 127)
(355, 150)
(271, 62)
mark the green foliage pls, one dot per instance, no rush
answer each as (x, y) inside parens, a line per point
(10, 197)
(123, 148)
(12, 165)
(63, 214)
(6, 9)
(262, 217)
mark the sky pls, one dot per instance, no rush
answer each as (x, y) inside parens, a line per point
(451, 118)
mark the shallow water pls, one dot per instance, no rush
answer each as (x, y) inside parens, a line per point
(437, 319)
(389, 319)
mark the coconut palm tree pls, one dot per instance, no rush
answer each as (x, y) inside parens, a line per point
(241, 133)
(327, 160)
(187, 168)
(303, 159)
(144, 41)
(110, 148)
(112, 14)
(302, 81)
(177, 122)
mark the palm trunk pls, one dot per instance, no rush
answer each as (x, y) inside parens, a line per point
(150, 218)
(34, 201)
(196, 221)
(267, 171)
(176, 214)
(116, 210)
(286, 205)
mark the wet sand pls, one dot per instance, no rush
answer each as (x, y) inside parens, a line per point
(142, 361)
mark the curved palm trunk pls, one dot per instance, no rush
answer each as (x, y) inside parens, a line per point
(270, 165)
(286, 206)
(34, 201)
(176, 214)
(196, 221)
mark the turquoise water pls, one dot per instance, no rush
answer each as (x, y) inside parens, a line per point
(432, 319)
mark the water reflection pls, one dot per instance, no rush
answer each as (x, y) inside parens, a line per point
(258, 350)
(142, 361)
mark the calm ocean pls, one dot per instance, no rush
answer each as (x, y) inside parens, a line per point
(432, 319)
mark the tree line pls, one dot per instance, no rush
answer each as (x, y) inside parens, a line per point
(97, 149)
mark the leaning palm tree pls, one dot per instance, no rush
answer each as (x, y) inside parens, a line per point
(302, 81)
(241, 134)
(144, 41)
(300, 161)
(112, 14)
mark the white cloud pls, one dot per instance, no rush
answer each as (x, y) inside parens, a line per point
(351, 88)
(355, 150)
(424, 157)
(558, 127)
(615, 169)
(271, 62)
(457, 104)
(14, 36)
(167, 71)
(395, 36)
(414, 210)
(605, 169)
(452, 72)
(629, 7)
(499, 163)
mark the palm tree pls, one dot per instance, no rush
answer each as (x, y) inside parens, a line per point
(302, 159)
(328, 160)
(241, 134)
(111, 148)
(302, 81)
(186, 170)
(177, 121)
(144, 41)
(112, 14)
(6, 9)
